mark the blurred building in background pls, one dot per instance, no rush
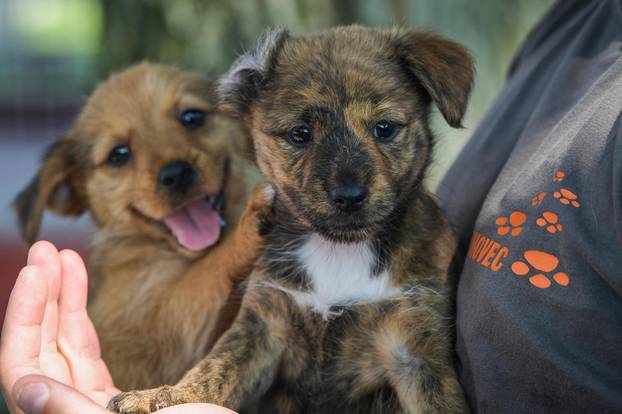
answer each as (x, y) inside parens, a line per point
(52, 53)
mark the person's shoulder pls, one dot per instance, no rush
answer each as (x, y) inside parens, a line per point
(561, 24)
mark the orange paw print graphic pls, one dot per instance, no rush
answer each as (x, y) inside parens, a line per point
(537, 200)
(550, 221)
(565, 196)
(559, 176)
(517, 219)
(542, 263)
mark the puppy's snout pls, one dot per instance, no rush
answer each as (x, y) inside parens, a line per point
(177, 176)
(349, 198)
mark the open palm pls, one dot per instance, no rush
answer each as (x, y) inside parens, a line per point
(49, 342)
(47, 330)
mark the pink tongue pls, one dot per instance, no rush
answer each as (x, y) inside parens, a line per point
(196, 226)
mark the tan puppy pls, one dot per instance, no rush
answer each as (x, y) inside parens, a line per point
(160, 170)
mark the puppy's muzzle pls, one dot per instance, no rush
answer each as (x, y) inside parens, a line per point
(177, 177)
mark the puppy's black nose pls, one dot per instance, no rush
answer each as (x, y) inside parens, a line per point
(349, 198)
(177, 176)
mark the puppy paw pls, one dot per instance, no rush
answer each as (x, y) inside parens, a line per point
(147, 401)
(134, 402)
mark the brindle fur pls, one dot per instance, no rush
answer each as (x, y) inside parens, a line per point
(392, 355)
(157, 307)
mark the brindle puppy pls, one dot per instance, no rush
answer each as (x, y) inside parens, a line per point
(349, 307)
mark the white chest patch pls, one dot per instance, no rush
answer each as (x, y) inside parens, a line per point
(340, 274)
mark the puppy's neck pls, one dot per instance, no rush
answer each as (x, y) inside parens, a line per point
(321, 274)
(341, 274)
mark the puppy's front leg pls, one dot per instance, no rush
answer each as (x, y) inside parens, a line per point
(235, 256)
(202, 295)
(241, 366)
(426, 387)
(418, 360)
(238, 252)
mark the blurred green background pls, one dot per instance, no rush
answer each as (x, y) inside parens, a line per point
(58, 49)
(52, 53)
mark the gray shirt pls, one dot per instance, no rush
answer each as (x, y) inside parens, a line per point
(536, 198)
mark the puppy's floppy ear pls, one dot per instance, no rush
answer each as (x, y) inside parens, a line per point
(239, 87)
(443, 67)
(51, 188)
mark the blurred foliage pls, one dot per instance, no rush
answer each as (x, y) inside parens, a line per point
(208, 34)
(67, 45)
(60, 26)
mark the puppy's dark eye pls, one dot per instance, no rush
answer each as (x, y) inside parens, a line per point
(192, 118)
(119, 155)
(299, 136)
(385, 130)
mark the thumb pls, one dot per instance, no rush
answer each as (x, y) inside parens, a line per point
(37, 394)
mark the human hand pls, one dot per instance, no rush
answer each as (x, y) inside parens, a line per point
(47, 330)
(36, 394)
(50, 359)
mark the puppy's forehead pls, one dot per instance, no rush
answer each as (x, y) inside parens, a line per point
(152, 87)
(339, 68)
(144, 95)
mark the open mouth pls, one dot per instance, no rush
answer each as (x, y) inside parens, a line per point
(198, 225)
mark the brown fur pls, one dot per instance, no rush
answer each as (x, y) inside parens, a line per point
(392, 354)
(156, 305)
